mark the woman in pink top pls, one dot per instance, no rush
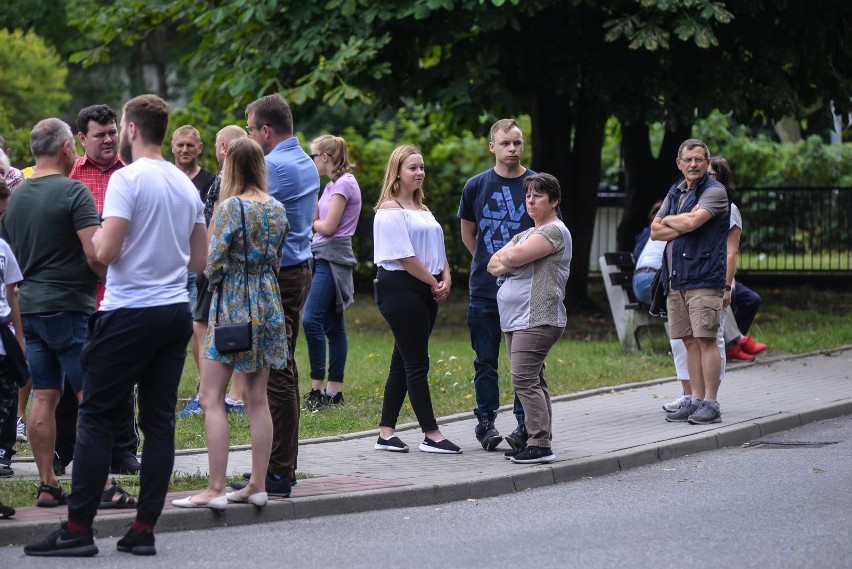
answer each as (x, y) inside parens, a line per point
(335, 221)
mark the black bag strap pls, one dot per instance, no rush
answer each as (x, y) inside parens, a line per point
(245, 266)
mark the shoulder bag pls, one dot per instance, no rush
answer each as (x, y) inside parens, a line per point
(233, 338)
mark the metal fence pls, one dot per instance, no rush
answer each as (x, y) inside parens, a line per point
(794, 230)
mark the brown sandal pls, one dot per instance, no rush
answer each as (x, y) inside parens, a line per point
(124, 500)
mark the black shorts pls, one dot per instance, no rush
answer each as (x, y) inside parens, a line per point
(201, 311)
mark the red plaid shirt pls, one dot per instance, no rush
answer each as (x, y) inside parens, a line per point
(94, 177)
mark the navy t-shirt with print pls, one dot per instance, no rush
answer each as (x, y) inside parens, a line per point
(497, 206)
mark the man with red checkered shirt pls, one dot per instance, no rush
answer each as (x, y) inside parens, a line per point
(98, 133)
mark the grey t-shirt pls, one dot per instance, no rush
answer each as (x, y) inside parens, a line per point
(532, 296)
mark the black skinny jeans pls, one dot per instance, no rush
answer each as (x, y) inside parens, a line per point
(126, 347)
(407, 306)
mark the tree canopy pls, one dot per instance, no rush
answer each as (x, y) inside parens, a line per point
(569, 64)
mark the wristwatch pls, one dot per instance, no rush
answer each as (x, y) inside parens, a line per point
(728, 288)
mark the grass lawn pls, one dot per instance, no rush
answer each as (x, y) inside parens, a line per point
(588, 356)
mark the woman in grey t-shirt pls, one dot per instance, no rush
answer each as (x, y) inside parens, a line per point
(535, 264)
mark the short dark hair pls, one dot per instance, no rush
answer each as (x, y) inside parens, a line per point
(691, 143)
(272, 111)
(544, 183)
(101, 114)
(150, 114)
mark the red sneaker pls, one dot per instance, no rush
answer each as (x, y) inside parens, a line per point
(751, 346)
(737, 353)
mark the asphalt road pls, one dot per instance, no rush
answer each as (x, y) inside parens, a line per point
(785, 504)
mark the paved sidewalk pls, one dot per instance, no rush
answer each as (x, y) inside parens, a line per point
(595, 433)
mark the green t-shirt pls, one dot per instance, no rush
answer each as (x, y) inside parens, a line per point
(41, 224)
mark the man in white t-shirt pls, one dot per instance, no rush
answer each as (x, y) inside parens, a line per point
(153, 232)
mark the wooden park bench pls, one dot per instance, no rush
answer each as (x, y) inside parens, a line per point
(628, 314)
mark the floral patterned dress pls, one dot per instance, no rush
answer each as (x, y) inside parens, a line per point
(267, 226)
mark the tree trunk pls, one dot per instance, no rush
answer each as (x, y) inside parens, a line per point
(580, 207)
(646, 178)
(578, 171)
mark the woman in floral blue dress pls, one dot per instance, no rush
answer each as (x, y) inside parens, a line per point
(243, 182)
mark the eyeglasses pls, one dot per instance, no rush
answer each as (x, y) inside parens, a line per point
(250, 128)
(699, 160)
(314, 156)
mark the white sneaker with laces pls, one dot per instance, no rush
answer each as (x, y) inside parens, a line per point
(676, 404)
(22, 431)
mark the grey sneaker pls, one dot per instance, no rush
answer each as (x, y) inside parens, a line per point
(706, 414)
(682, 414)
(675, 405)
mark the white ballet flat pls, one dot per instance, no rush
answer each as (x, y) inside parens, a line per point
(215, 504)
(259, 499)
(218, 504)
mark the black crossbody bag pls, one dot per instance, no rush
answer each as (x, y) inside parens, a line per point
(233, 338)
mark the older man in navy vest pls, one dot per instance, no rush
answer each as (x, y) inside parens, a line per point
(694, 221)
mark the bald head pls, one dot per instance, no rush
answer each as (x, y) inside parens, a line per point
(223, 139)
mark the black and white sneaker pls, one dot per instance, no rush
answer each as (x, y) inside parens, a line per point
(534, 455)
(392, 444)
(441, 447)
(63, 543)
(509, 454)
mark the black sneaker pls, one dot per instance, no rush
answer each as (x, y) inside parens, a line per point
(275, 486)
(509, 454)
(6, 511)
(57, 497)
(487, 435)
(127, 465)
(534, 455)
(293, 480)
(137, 543)
(682, 414)
(440, 447)
(58, 465)
(393, 444)
(315, 400)
(6, 471)
(518, 438)
(63, 543)
(335, 400)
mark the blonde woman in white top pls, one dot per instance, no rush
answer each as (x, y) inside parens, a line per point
(413, 276)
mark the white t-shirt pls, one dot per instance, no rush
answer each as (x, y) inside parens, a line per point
(400, 233)
(736, 217)
(10, 273)
(163, 207)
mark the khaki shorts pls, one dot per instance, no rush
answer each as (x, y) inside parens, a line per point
(695, 312)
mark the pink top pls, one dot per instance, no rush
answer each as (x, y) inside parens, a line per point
(347, 186)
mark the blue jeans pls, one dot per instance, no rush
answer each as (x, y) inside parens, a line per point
(642, 286)
(54, 342)
(483, 321)
(745, 304)
(192, 289)
(322, 321)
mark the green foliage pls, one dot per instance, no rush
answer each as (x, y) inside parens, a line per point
(33, 87)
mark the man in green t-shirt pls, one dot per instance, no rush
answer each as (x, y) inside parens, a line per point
(49, 224)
